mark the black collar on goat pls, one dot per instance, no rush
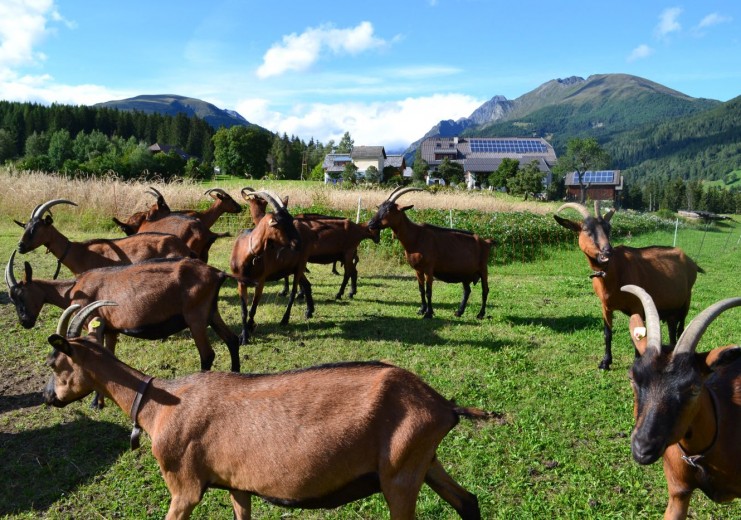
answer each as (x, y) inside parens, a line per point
(667, 273)
(450, 255)
(364, 428)
(687, 407)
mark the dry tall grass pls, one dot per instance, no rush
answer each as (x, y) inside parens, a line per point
(22, 191)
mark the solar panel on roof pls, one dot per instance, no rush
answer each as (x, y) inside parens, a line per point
(603, 176)
(521, 146)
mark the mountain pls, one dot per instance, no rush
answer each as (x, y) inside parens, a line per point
(169, 104)
(602, 106)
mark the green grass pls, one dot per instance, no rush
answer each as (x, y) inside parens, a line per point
(564, 452)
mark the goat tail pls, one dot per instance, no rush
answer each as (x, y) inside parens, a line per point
(240, 279)
(700, 270)
(477, 414)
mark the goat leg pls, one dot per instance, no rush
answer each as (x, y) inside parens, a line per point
(464, 301)
(484, 296)
(306, 288)
(428, 312)
(464, 502)
(607, 360)
(421, 284)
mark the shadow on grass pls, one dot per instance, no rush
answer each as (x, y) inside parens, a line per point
(564, 324)
(17, 402)
(41, 466)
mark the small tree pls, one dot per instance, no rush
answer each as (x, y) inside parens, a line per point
(372, 175)
(420, 168)
(527, 181)
(349, 174)
(346, 144)
(450, 171)
(507, 169)
(583, 155)
(7, 145)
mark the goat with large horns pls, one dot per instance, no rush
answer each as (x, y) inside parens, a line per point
(277, 247)
(450, 255)
(337, 240)
(687, 407)
(156, 299)
(79, 257)
(313, 438)
(666, 273)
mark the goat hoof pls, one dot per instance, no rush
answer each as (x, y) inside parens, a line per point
(604, 365)
(427, 316)
(338, 296)
(480, 316)
(458, 314)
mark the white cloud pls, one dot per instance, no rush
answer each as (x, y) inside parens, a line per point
(392, 124)
(640, 52)
(42, 89)
(668, 22)
(298, 52)
(713, 19)
(23, 24)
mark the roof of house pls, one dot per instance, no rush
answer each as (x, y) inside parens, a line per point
(368, 152)
(335, 162)
(395, 161)
(167, 148)
(595, 178)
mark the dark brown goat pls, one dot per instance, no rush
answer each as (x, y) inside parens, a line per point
(157, 298)
(450, 255)
(314, 438)
(276, 248)
(223, 203)
(687, 407)
(79, 257)
(667, 273)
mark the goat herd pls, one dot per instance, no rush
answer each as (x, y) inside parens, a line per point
(324, 436)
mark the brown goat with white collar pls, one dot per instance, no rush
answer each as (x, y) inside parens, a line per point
(319, 437)
(666, 273)
(687, 407)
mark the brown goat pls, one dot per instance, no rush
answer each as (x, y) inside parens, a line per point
(450, 255)
(667, 273)
(687, 407)
(277, 247)
(313, 438)
(157, 298)
(79, 257)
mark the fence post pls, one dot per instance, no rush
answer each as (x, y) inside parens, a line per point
(357, 216)
(451, 217)
(676, 226)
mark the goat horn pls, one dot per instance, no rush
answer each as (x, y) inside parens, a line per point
(274, 201)
(609, 215)
(250, 192)
(216, 190)
(43, 208)
(578, 207)
(152, 191)
(9, 276)
(597, 209)
(75, 328)
(689, 339)
(396, 194)
(653, 325)
(64, 318)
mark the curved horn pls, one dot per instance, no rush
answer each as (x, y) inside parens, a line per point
(653, 325)
(9, 276)
(75, 328)
(43, 208)
(398, 193)
(271, 198)
(578, 207)
(400, 187)
(64, 318)
(216, 190)
(249, 192)
(689, 339)
(152, 191)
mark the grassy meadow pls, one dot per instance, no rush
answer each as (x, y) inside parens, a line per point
(562, 453)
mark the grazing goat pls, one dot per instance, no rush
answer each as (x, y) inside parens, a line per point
(79, 257)
(687, 407)
(667, 273)
(319, 437)
(450, 255)
(277, 247)
(157, 298)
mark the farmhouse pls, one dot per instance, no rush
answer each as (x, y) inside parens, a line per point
(480, 156)
(167, 148)
(601, 185)
(363, 157)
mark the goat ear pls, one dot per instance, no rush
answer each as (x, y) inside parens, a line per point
(406, 208)
(20, 224)
(638, 333)
(721, 357)
(29, 272)
(285, 200)
(568, 224)
(60, 343)
(124, 227)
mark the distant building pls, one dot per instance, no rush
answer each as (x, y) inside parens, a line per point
(167, 148)
(363, 157)
(601, 185)
(480, 156)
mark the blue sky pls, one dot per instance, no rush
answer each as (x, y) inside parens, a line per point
(385, 71)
